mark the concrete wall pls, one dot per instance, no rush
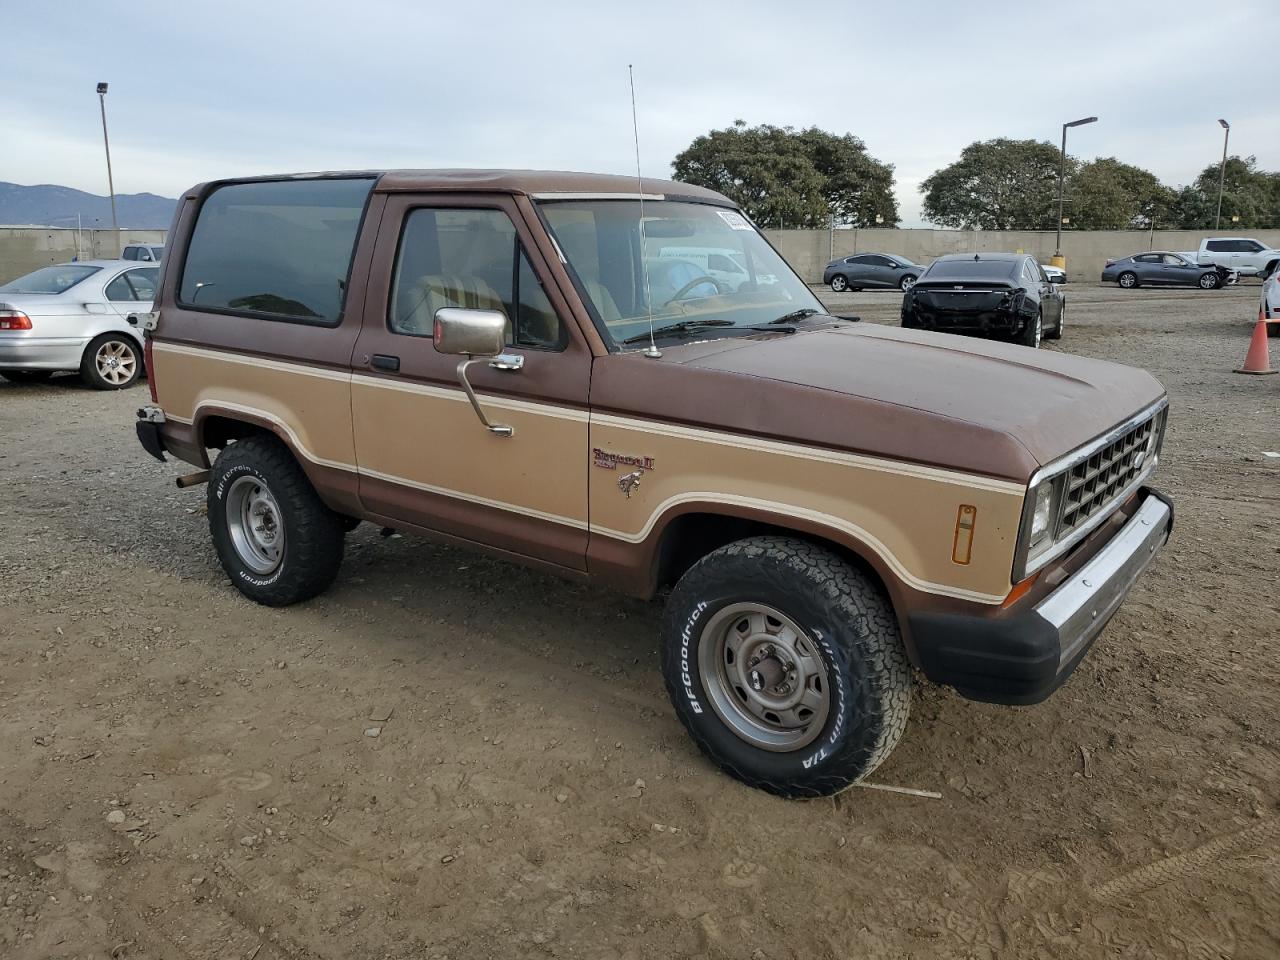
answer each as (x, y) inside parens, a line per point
(23, 249)
(808, 251)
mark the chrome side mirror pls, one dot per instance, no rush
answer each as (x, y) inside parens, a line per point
(475, 335)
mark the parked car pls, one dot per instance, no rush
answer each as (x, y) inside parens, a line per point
(1162, 268)
(1001, 295)
(76, 316)
(871, 271)
(832, 503)
(146, 252)
(1055, 274)
(1269, 302)
(1243, 255)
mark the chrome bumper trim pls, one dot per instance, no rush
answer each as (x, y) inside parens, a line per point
(1081, 607)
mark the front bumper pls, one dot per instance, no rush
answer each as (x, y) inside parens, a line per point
(41, 353)
(1024, 657)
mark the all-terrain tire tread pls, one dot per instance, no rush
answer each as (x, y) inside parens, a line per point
(315, 537)
(886, 698)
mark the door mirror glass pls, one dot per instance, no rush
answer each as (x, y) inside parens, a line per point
(464, 331)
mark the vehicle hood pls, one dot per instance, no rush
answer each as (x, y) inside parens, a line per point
(940, 399)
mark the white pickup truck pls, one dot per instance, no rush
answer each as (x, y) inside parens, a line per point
(1249, 258)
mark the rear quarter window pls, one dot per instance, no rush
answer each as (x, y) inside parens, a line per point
(278, 249)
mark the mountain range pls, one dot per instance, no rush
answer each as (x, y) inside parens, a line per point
(48, 204)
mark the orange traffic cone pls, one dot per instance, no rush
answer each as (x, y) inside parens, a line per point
(1258, 359)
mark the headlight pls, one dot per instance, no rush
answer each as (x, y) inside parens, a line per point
(1042, 513)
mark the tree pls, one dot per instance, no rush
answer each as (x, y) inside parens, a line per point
(997, 184)
(1249, 193)
(1110, 195)
(797, 178)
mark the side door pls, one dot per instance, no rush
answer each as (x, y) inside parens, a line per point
(1050, 296)
(133, 292)
(1149, 268)
(881, 271)
(423, 456)
(1178, 271)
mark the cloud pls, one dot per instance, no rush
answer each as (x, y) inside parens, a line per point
(202, 90)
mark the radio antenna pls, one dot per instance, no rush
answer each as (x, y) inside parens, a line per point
(652, 350)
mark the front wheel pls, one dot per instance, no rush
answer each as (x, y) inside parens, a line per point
(907, 282)
(785, 665)
(276, 539)
(839, 283)
(1209, 281)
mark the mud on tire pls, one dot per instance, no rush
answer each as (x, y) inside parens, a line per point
(851, 625)
(313, 534)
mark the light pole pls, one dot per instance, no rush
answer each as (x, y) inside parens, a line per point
(111, 187)
(1222, 171)
(1058, 259)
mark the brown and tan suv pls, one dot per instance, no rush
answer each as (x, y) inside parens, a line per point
(549, 367)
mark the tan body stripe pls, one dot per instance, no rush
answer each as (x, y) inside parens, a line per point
(707, 474)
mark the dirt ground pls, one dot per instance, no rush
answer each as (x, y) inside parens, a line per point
(184, 774)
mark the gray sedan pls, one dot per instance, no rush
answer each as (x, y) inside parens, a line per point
(1163, 268)
(871, 271)
(77, 316)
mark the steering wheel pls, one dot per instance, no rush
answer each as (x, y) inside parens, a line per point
(679, 294)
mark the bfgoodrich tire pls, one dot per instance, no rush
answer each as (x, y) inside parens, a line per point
(277, 541)
(785, 665)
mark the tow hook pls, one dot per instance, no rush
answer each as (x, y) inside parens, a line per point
(193, 479)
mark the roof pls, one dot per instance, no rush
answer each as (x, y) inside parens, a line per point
(533, 183)
(540, 183)
(980, 256)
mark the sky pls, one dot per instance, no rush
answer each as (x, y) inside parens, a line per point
(202, 90)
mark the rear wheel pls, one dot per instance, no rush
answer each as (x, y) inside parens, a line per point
(1056, 332)
(27, 376)
(276, 539)
(1128, 279)
(785, 665)
(839, 283)
(1033, 332)
(1209, 281)
(112, 361)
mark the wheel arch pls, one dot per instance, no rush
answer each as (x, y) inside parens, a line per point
(215, 426)
(690, 531)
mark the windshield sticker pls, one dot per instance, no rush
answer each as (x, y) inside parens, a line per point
(735, 220)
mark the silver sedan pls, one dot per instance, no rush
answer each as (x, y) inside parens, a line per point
(82, 316)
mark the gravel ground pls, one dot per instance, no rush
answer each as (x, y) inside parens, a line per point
(188, 775)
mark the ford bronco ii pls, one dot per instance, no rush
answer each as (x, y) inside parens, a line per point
(535, 364)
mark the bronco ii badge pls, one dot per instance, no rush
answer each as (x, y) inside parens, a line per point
(610, 461)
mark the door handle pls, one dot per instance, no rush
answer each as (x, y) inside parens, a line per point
(507, 361)
(382, 361)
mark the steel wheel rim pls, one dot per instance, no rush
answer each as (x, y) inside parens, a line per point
(116, 361)
(742, 647)
(255, 525)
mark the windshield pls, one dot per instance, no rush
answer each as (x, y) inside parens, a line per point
(50, 279)
(698, 265)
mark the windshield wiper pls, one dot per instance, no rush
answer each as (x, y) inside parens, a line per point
(795, 315)
(681, 327)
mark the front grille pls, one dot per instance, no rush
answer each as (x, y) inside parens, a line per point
(1093, 485)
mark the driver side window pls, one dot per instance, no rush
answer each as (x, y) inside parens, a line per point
(469, 258)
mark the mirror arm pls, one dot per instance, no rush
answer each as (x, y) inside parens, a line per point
(498, 429)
